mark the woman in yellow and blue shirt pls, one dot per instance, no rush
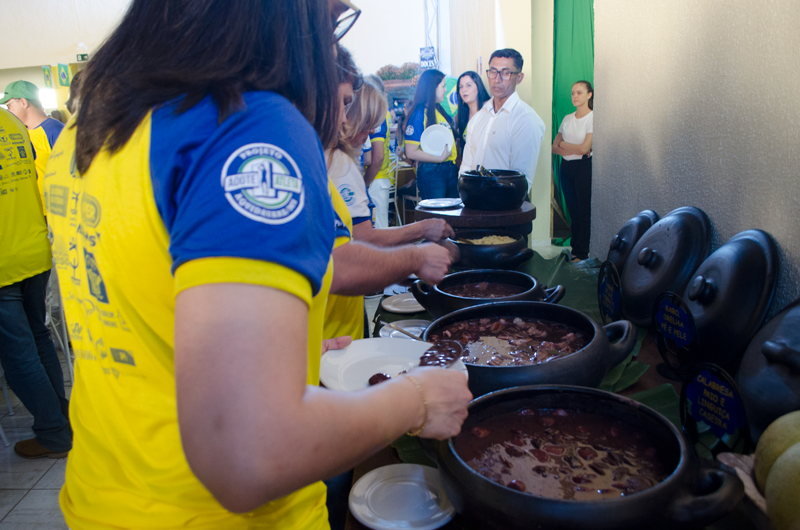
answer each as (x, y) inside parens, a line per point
(437, 175)
(196, 245)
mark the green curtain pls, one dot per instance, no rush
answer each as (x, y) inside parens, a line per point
(573, 60)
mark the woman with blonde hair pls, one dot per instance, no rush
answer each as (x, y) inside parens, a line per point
(365, 113)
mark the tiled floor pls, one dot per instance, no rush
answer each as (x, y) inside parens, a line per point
(28, 488)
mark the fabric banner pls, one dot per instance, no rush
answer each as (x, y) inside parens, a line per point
(48, 77)
(573, 60)
(63, 74)
(450, 103)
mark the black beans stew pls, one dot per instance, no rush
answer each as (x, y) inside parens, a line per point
(512, 341)
(484, 290)
(562, 455)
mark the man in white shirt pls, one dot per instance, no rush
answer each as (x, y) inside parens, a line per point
(506, 133)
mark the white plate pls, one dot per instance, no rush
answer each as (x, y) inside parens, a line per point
(433, 204)
(402, 303)
(401, 496)
(435, 138)
(350, 368)
(412, 326)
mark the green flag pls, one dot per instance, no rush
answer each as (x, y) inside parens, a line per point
(63, 75)
(48, 77)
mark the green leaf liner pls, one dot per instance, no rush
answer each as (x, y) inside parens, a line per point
(663, 399)
(630, 375)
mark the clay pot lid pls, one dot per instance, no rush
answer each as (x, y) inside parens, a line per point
(664, 260)
(630, 233)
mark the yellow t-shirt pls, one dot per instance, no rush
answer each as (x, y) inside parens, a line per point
(186, 202)
(43, 139)
(417, 124)
(383, 135)
(344, 315)
(24, 247)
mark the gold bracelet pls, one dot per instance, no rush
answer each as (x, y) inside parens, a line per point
(424, 402)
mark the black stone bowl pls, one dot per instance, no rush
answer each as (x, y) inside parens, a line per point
(691, 496)
(506, 190)
(501, 256)
(438, 302)
(608, 346)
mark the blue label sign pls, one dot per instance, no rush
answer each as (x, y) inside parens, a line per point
(674, 323)
(715, 403)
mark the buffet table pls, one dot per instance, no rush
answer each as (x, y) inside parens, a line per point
(469, 218)
(580, 281)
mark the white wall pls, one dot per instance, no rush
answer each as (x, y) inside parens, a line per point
(40, 32)
(696, 104)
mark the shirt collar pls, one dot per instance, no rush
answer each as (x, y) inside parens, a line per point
(508, 106)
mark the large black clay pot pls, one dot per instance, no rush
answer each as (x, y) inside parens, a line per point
(769, 376)
(586, 367)
(664, 259)
(500, 256)
(729, 296)
(506, 190)
(691, 496)
(438, 302)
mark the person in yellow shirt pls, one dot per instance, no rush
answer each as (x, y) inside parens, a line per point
(437, 175)
(27, 352)
(198, 233)
(22, 99)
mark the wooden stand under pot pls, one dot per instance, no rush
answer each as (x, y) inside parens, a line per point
(470, 218)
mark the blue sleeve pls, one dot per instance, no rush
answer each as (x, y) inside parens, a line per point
(52, 128)
(380, 132)
(254, 186)
(415, 126)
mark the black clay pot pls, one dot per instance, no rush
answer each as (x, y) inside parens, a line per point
(730, 294)
(769, 376)
(664, 259)
(438, 302)
(624, 241)
(586, 367)
(506, 190)
(502, 256)
(691, 496)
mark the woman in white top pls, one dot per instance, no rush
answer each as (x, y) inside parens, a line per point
(574, 143)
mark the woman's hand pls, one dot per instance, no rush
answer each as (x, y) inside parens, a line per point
(446, 153)
(447, 395)
(336, 343)
(434, 230)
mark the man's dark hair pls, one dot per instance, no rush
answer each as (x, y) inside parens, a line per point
(173, 49)
(511, 54)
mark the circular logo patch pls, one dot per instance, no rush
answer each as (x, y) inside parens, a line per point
(409, 130)
(263, 183)
(347, 194)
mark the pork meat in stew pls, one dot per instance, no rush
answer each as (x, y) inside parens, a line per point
(512, 341)
(562, 455)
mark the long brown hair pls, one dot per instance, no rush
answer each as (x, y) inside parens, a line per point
(169, 49)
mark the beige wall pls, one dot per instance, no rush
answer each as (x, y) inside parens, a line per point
(696, 104)
(528, 28)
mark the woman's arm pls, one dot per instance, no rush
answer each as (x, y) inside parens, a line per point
(578, 149)
(252, 429)
(557, 149)
(367, 158)
(376, 163)
(433, 230)
(414, 152)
